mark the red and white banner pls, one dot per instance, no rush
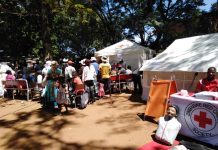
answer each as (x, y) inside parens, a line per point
(199, 118)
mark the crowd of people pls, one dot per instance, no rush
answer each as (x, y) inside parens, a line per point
(90, 73)
(59, 79)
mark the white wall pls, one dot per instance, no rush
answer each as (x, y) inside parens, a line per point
(135, 60)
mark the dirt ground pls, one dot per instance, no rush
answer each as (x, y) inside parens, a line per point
(113, 123)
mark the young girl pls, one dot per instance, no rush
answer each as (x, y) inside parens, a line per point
(62, 95)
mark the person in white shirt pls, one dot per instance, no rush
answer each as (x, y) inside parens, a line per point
(69, 71)
(96, 66)
(128, 70)
(47, 66)
(88, 77)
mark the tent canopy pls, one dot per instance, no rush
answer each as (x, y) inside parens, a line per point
(132, 53)
(122, 47)
(193, 54)
(180, 62)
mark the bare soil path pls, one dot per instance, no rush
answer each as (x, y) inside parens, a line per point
(112, 123)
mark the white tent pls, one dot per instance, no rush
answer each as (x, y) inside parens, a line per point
(131, 53)
(181, 60)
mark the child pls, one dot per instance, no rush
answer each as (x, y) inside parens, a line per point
(62, 95)
(101, 92)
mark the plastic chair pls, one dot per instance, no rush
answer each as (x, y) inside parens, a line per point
(124, 79)
(19, 85)
(24, 86)
(114, 82)
(79, 90)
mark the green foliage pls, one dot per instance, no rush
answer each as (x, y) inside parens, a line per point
(75, 27)
(18, 27)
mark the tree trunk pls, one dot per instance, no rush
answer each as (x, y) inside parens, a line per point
(46, 29)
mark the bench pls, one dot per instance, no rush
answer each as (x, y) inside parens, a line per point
(19, 85)
(121, 79)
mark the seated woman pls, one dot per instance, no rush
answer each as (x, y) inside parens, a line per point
(121, 70)
(9, 75)
(113, 72)
(78, 92)
(128, 70)
(76, 82)
(210, 83)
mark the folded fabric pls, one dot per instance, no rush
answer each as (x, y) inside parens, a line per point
(153, 145)
(178, 147)
(205, 95)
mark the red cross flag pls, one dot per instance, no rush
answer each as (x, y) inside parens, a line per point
(199, 118)
(202, 120)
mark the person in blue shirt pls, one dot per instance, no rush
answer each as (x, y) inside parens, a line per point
(96, 66)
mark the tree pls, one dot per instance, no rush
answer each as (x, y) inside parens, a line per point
(177, 19)
(18, 27)
(109, 20)
(76, 27)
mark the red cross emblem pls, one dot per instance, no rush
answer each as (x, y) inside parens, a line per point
(202, 119)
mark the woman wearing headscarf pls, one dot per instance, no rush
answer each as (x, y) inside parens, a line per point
(52, 77)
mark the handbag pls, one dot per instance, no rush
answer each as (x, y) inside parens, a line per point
(84, 100)
(1, 91)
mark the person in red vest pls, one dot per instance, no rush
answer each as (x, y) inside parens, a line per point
(210, 83)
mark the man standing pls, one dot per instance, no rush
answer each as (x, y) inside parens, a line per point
(69, 71)
(96, 66)
(105, 69)
(137, 81)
